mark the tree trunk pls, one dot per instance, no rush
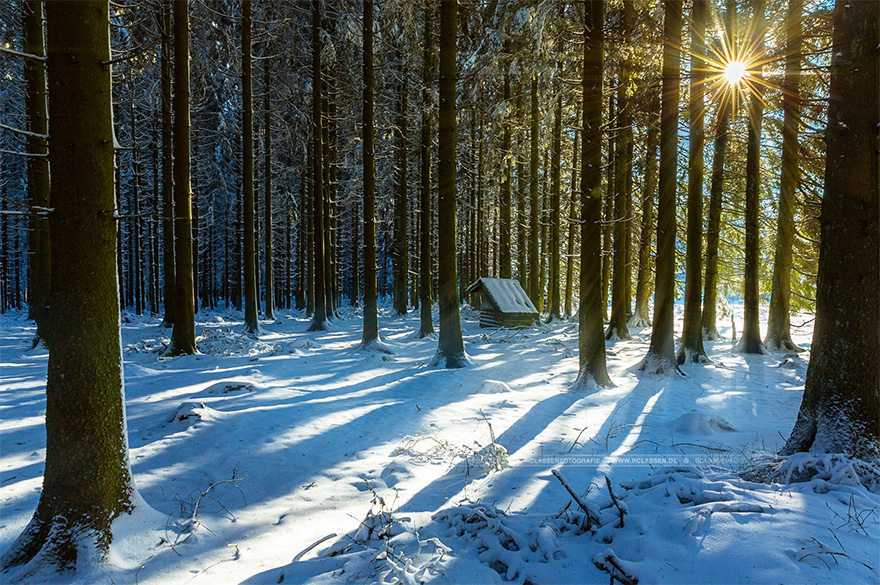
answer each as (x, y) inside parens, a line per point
(572, 220)
(534, 203)
(196, 200)
(691, 348)
(183, 336)
(779, 323)
(136, 267)
(401, 212)
(87, 482)
(621, 284)
(168, 254)
(371, 315)
(251, 325)
(504, 257)
(269, 276)
(608, 206)
(521, 202)
(716, 194)
(641, 317)
(840, 412)
(591, 342)
(661, 354)
(37, 166)
(750, 342)
(450, 347)
(319, 317)
(542, 239)
(555, 203)
(355, 255)
(426, 324)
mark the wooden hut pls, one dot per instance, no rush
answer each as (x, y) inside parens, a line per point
(503, 303)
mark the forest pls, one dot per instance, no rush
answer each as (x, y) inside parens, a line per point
(439, 291)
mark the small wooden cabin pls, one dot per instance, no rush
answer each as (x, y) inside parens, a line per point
(503, 303)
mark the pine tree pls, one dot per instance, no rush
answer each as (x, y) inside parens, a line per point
(591, 341)
(661, 354)
(426, 324)
(168, 222)
(38, 165)
(371, 314)
(450, 347)
(840, 412)
(750, 342)
(251, 325)
(183, 335)
(641, 316)
(87, 480)
(779, 321)
(319, 317)
(268, 271)
(691, 348)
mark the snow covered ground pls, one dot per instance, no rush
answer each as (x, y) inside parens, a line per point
(251, 453)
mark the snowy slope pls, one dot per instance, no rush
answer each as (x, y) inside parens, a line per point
(300, 435)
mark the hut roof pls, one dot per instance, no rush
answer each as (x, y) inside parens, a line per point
(506, 293)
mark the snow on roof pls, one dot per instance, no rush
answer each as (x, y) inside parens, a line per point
(506, 293)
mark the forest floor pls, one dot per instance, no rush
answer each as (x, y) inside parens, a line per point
(298, 458)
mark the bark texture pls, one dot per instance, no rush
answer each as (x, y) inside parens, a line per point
(661, 354)
(691, 348)
(591, 341)
(87, 482)
(778, 336)
(840, 412)
(183, 336)
(450, 348)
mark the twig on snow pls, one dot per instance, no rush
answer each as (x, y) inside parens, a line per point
(592, 514)
(621, 507)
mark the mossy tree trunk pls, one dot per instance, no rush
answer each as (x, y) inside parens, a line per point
(87, 482)
(661, 353)
(641, 316)
(750, 342)
(534, 203)
(591, 341)
(572, 221)
(555, 203)
(621, 281)
(779, 322)
(840, 412)
(691, 348)
(708, 317)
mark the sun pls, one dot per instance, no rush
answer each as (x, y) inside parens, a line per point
(735, 72)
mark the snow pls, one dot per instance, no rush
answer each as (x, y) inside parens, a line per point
(298, 458)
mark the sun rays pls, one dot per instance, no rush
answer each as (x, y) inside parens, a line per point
(735, 72)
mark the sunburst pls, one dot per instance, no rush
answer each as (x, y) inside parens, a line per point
(735, 72)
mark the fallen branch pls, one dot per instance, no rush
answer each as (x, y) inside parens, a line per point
(592, 514)
(611, 564)
(621, 507)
